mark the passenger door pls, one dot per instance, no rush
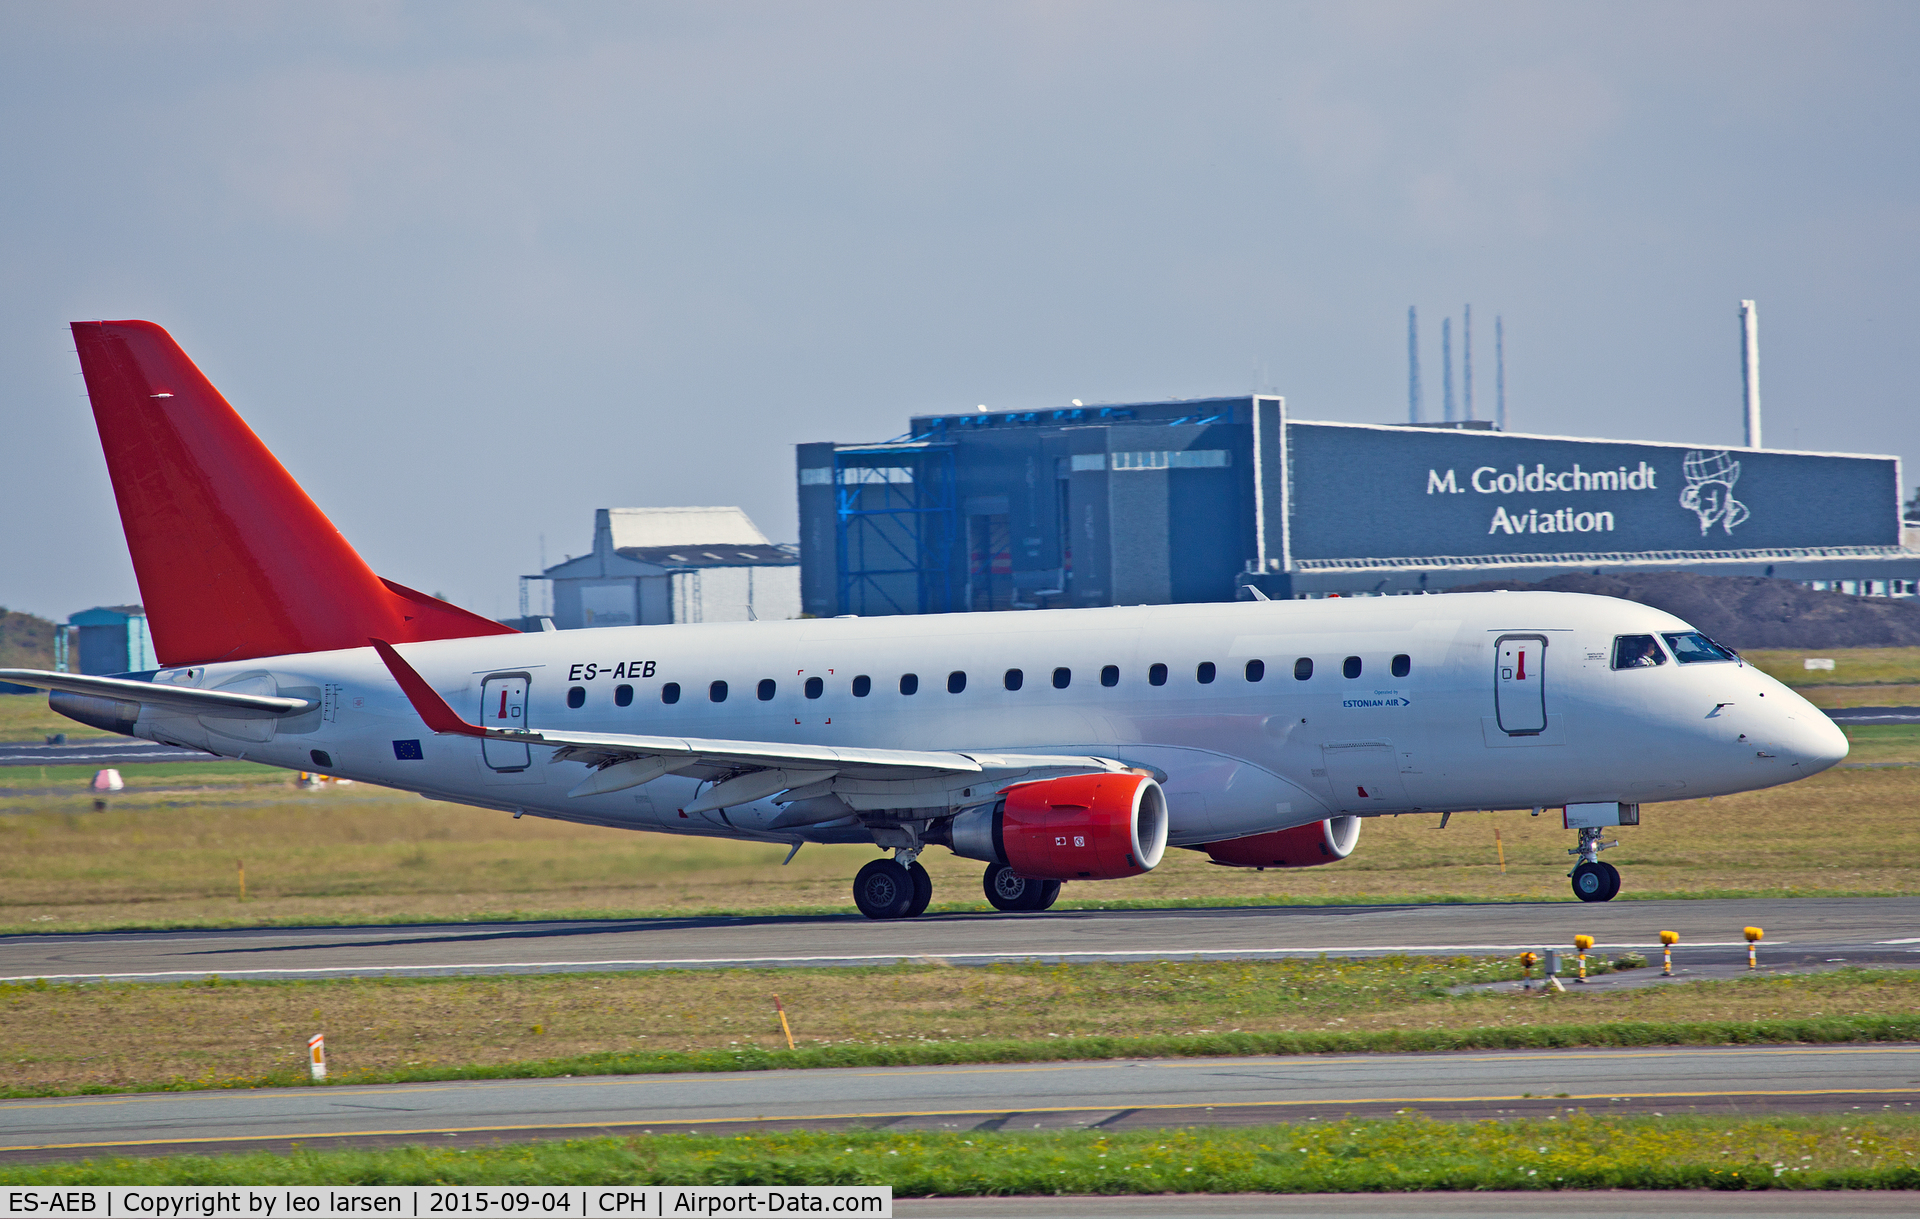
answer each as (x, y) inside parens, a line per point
(503, 704)
(1519, 684)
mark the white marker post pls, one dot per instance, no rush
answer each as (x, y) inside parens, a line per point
(317, 1055)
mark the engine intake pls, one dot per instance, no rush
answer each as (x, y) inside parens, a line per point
(1303, 846)
(1078, 827)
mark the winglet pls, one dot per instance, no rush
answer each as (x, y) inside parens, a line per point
(425, 699)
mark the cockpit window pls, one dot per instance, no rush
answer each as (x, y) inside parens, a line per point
(1691, 647)
(1637, 652)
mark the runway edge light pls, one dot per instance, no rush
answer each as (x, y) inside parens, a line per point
(1753, 940)
(1667, 940)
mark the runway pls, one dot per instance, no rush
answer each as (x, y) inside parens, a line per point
(1798, 931)
(116, 752)
(1113, 1095)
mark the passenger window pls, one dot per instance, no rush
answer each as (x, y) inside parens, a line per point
(1256, 670)
(767, 689)
(1303, 668)
(956, 682)
(1157, 675)
(1351, 666)
(1014, 679)
(909, 683)
(717, 692)
(1691, 647)
(670, 693)
(623, 696)
(1062, 678)
(577, 697)
(1110, 676)
(1637, 652)
(1402, 665)
(1204, 674)
(815, 687)
(862, 686)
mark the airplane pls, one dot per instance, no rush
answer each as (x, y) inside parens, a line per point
(1051, 746)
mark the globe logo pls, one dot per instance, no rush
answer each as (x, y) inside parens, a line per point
(1709, 490)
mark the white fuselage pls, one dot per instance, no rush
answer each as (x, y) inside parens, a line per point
(1239, 756)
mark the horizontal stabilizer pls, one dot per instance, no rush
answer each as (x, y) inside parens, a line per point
(184, 699)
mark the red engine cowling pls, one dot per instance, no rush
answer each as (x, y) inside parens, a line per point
(1303, 846)
(1078, 827)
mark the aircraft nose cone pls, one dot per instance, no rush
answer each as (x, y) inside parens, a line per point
(1813, 740)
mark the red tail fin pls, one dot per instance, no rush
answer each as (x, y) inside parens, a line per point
(234, 560)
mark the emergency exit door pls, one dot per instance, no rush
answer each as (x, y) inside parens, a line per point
(503, 704)
(1519, 684)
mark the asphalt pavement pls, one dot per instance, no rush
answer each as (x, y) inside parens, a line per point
(1110, 1095)
(1799, 932)
(1874, 715)
(108, 752)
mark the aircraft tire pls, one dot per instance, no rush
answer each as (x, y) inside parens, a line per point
(1049, 894)
(922, 891)
(883, 889)
(1590, 882)
(1613, 881)
(1010, 891)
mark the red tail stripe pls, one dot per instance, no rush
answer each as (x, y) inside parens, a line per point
(425, 699)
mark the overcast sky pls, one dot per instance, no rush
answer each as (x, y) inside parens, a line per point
(476, 269)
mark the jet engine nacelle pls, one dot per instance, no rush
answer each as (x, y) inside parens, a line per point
(1303, 846)
(1077, 827)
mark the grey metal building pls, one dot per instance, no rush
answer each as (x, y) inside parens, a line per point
(1167, 502)
(658, 565)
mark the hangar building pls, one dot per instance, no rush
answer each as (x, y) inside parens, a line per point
(658, 565)
(1183, 501)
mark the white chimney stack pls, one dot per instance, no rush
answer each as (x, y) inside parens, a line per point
(1750, 369)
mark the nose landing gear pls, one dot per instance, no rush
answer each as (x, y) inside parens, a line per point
(1593, 881)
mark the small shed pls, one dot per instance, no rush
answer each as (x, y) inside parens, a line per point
(107, 639)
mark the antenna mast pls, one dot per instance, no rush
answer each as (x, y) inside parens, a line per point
(1499, 374)
(1413, 365)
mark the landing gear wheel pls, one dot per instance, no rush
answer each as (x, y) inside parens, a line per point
(1591, 882)
(922, 890)
(884, 889)
(1613, 881)
(1008, 890)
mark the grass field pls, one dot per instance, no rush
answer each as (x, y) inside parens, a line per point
(1860, 677)
(26, 717)
(73, 1038)
(165, 853)
(1578, 1151)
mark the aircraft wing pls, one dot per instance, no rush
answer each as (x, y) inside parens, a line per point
(174, 698)
(653, 756)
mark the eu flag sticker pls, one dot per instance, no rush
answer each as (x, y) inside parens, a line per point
(407, 751)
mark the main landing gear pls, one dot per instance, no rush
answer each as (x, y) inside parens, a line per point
(893, 888)
(1593, 881)
(900, 888)
(1008, 890)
